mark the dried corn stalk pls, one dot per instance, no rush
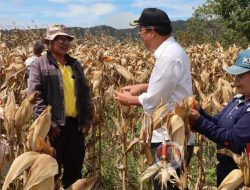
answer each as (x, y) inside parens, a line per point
(176, 130)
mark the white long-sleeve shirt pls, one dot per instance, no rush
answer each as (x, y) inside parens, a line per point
(170, 80)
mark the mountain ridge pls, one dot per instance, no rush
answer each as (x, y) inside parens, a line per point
(97, 30)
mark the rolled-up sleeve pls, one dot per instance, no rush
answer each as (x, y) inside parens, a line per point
(163, 81)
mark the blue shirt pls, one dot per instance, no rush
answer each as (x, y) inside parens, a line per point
(229, 129)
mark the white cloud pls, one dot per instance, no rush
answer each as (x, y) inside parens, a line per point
(102, 8)
(175, 9)
(73, 11)
(120, 20)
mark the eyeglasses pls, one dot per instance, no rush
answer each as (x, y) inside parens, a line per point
(63, 40)
(143, 29)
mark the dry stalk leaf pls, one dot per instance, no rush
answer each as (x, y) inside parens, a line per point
(83, 184)
(118, 125)
(232, 181)
(9, 113)
(44, 167)
(48, 184)
(20, 164)
(39, 128)
(148, 154)
(178, 130)
(149, 172)
(25, 111)
(132, 144)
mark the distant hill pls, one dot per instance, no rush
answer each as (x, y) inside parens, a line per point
(120, 33)
(97, 30)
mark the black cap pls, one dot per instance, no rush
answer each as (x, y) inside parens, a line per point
(152, 17)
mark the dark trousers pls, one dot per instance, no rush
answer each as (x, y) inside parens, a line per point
(70, 151)
(223, 168)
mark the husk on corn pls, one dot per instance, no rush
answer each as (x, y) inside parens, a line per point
(25, 111)
(43, 169)
(37, 162)
(9, 115)
(39, 128)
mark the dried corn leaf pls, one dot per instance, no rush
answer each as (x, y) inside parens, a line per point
(149, 156)
(178, 130)
(160, 115)
(39, 128)
(21, 163)
(118, 125)
(96, 79)
(48, 184)
(5, 159)
(232, 181)
(149, 172)
(132, 144)
(44, 167)
(25, 111)
(9, 113)
(83, 184)
(1, 113)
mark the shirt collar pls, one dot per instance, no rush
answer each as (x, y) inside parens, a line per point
(241, 99)
(163, 46)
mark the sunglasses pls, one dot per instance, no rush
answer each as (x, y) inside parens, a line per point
(61, 40)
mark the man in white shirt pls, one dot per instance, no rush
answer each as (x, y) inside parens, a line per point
(170, 80)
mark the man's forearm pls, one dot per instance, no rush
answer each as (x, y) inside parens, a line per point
(134, 100)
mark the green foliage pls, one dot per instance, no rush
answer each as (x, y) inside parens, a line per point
(223, 21)
(209, 166)
(236, 13)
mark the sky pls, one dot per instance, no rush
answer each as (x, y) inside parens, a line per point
(87, 13)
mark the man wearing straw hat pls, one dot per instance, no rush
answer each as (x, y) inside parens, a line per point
(59, 80)
(170, 80)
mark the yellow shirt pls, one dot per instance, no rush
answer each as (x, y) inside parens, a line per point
(69, 91)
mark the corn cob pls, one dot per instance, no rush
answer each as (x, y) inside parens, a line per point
(124, 72)
(39, 128)
(25, 111)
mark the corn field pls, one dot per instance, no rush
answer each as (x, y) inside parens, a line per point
(114, 157)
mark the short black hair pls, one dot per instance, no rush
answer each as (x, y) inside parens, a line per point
(38, 48)
(163, 31)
